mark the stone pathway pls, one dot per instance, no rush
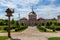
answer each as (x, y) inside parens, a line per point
(32, 34)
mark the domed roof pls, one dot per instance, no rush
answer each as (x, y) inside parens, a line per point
(32, 13)
(58, 15)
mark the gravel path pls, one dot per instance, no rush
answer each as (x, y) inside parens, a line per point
(32, 34)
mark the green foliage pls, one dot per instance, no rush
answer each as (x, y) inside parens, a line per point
(45, 30)
(53, 28)
(58, 28)
(3, 38)
(12, 22)
(48, 23)
(58, 24)
(21, 27)
(54, 38)
(3, 22)
(50, 27)
(14, 25)
(40, 28)
(6, 29)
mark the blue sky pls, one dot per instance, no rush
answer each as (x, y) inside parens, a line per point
(44, 8)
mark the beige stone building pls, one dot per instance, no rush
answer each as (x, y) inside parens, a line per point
(32, 20)
(59, 18)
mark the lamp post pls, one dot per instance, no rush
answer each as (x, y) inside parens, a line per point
(9, 14)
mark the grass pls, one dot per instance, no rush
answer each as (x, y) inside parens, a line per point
(3, 38)
(54, 38)
(2, 29)
(21, 28)
(40, 28)
(51, 27)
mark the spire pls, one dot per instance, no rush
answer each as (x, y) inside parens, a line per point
(19, 15)
(32, 9)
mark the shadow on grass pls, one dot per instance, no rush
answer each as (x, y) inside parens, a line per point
(14, 39)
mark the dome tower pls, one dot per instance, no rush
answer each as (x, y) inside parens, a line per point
(32, 18)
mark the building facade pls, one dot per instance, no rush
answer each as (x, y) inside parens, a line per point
(32, 21)
(59, 18)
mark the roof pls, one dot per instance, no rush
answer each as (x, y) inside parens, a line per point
(23, 18)
(32, 13)
(41, 19)
(58, 15)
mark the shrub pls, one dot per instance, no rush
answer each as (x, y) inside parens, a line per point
(58, 28)
(12, 28)
(53, 30)
(21, 27)
(48, 24)
(45, 30)
(58, 24)
(40, 28)
(17, 29)
(6, 28)
(53, 27)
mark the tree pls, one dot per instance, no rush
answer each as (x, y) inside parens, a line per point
(5, 22)
(12, 22)
(47, 24)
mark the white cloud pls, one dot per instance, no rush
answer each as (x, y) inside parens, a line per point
(13, 3)
(41, 11)
(48, 11)
(9, 5)
(25, 1)
(52, 2)
(2, 16)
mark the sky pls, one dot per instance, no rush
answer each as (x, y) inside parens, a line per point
(47, 9)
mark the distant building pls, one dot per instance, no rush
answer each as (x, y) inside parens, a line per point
(23, 21)
(59, 18)
(41, 21)
(32, 18)
(32, 21)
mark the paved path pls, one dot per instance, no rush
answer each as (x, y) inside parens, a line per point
(32, 34)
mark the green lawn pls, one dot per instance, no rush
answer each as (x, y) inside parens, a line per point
(2, 29)
(54, 38)
(41, 29)
(16, 28)
(3, 38)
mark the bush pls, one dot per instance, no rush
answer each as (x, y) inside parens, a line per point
(53, 27)
(17, 29)
(12, 28)
(41, 28)
(58, 28)
(53, 30)
(50, 27)
(48, 24)
(6, 28)
(58, 24)
(45, 30)
(21, 27)
(0, 28)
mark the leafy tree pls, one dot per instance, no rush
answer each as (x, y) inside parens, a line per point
(48, 24)
(5, 22)
(58, 24)
(12, 22)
